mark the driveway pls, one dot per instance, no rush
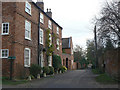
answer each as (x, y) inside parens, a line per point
(70, 79)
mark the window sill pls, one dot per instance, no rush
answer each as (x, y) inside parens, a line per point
(42, 23)
(26, 66)
(5, 34)
(28, 39)
(41, 43)
(29, 13)
(4, 57)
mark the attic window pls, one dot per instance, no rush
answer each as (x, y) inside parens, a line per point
(28, 7)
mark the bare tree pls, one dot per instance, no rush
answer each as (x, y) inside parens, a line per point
(108, 25)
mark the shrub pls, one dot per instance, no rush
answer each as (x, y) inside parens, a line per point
(63, 69)
(35, 70)
(46, 70)
(5, 78)
(56, 62)
(51, 70)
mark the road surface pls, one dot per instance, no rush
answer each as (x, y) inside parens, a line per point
(70, 79)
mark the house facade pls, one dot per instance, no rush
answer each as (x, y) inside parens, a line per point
(23, 32)
(68, 58)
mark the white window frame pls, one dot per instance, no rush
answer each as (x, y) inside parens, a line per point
(7, 53)
(49, 24)
(58, 43)
(2, 28)
(58, 30)
(50, 38)
(42, 59)
(26, 8)
(26, 29)
(50, 60)
(41, 37)
(41, 18)
(29, 57)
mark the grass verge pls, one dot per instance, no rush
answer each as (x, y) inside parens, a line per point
(96, 71)
(105, 79)
(9, 82)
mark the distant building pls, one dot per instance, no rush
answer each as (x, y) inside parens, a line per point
(67, 56)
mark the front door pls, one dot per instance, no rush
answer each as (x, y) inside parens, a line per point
(66, 62)
(41, 59)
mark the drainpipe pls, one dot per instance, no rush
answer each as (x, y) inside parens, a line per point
(39, 63)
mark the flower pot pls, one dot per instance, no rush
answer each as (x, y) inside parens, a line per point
(29, 78)
(60, 71)
(38, 76)
(44, 74)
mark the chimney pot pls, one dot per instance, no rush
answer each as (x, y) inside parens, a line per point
(50, 10)
(47, 9)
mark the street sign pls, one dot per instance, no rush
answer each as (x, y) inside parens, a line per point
(11, 57)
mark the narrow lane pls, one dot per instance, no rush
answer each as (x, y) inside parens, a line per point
(70, 79)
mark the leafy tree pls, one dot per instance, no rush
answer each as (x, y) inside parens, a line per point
(80, 56)
(90, 52)
(56, 62)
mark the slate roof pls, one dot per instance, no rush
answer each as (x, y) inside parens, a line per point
(66, 43)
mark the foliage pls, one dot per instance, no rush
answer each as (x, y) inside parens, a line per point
(49, 48)
(5, 78)
(97, 71)
(9, 82)
(104, 78)
(56, 62)
(46, 70)
(51, 70)
(90, 52)
(35, 70)
(80, 56)
(63, 69)
(63, 51)
(108, 27)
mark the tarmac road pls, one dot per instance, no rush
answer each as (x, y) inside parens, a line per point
(70, 79)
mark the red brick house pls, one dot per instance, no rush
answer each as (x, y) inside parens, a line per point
(67, 56)
(23, 34)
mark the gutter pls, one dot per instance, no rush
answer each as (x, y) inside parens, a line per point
(39, 62)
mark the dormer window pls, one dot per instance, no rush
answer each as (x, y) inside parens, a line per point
(28, 7)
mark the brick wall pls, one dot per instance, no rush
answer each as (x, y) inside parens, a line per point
(112, 62)
(15, 14)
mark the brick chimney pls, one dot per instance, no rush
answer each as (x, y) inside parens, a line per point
(49, 13)
(40, 4)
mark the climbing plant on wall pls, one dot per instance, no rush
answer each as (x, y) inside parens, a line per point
(49, 46)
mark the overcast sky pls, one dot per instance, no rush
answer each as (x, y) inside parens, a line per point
(75, 16)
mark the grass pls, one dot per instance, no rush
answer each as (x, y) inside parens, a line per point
(96, 71)
(105, 79)
(9, 82)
